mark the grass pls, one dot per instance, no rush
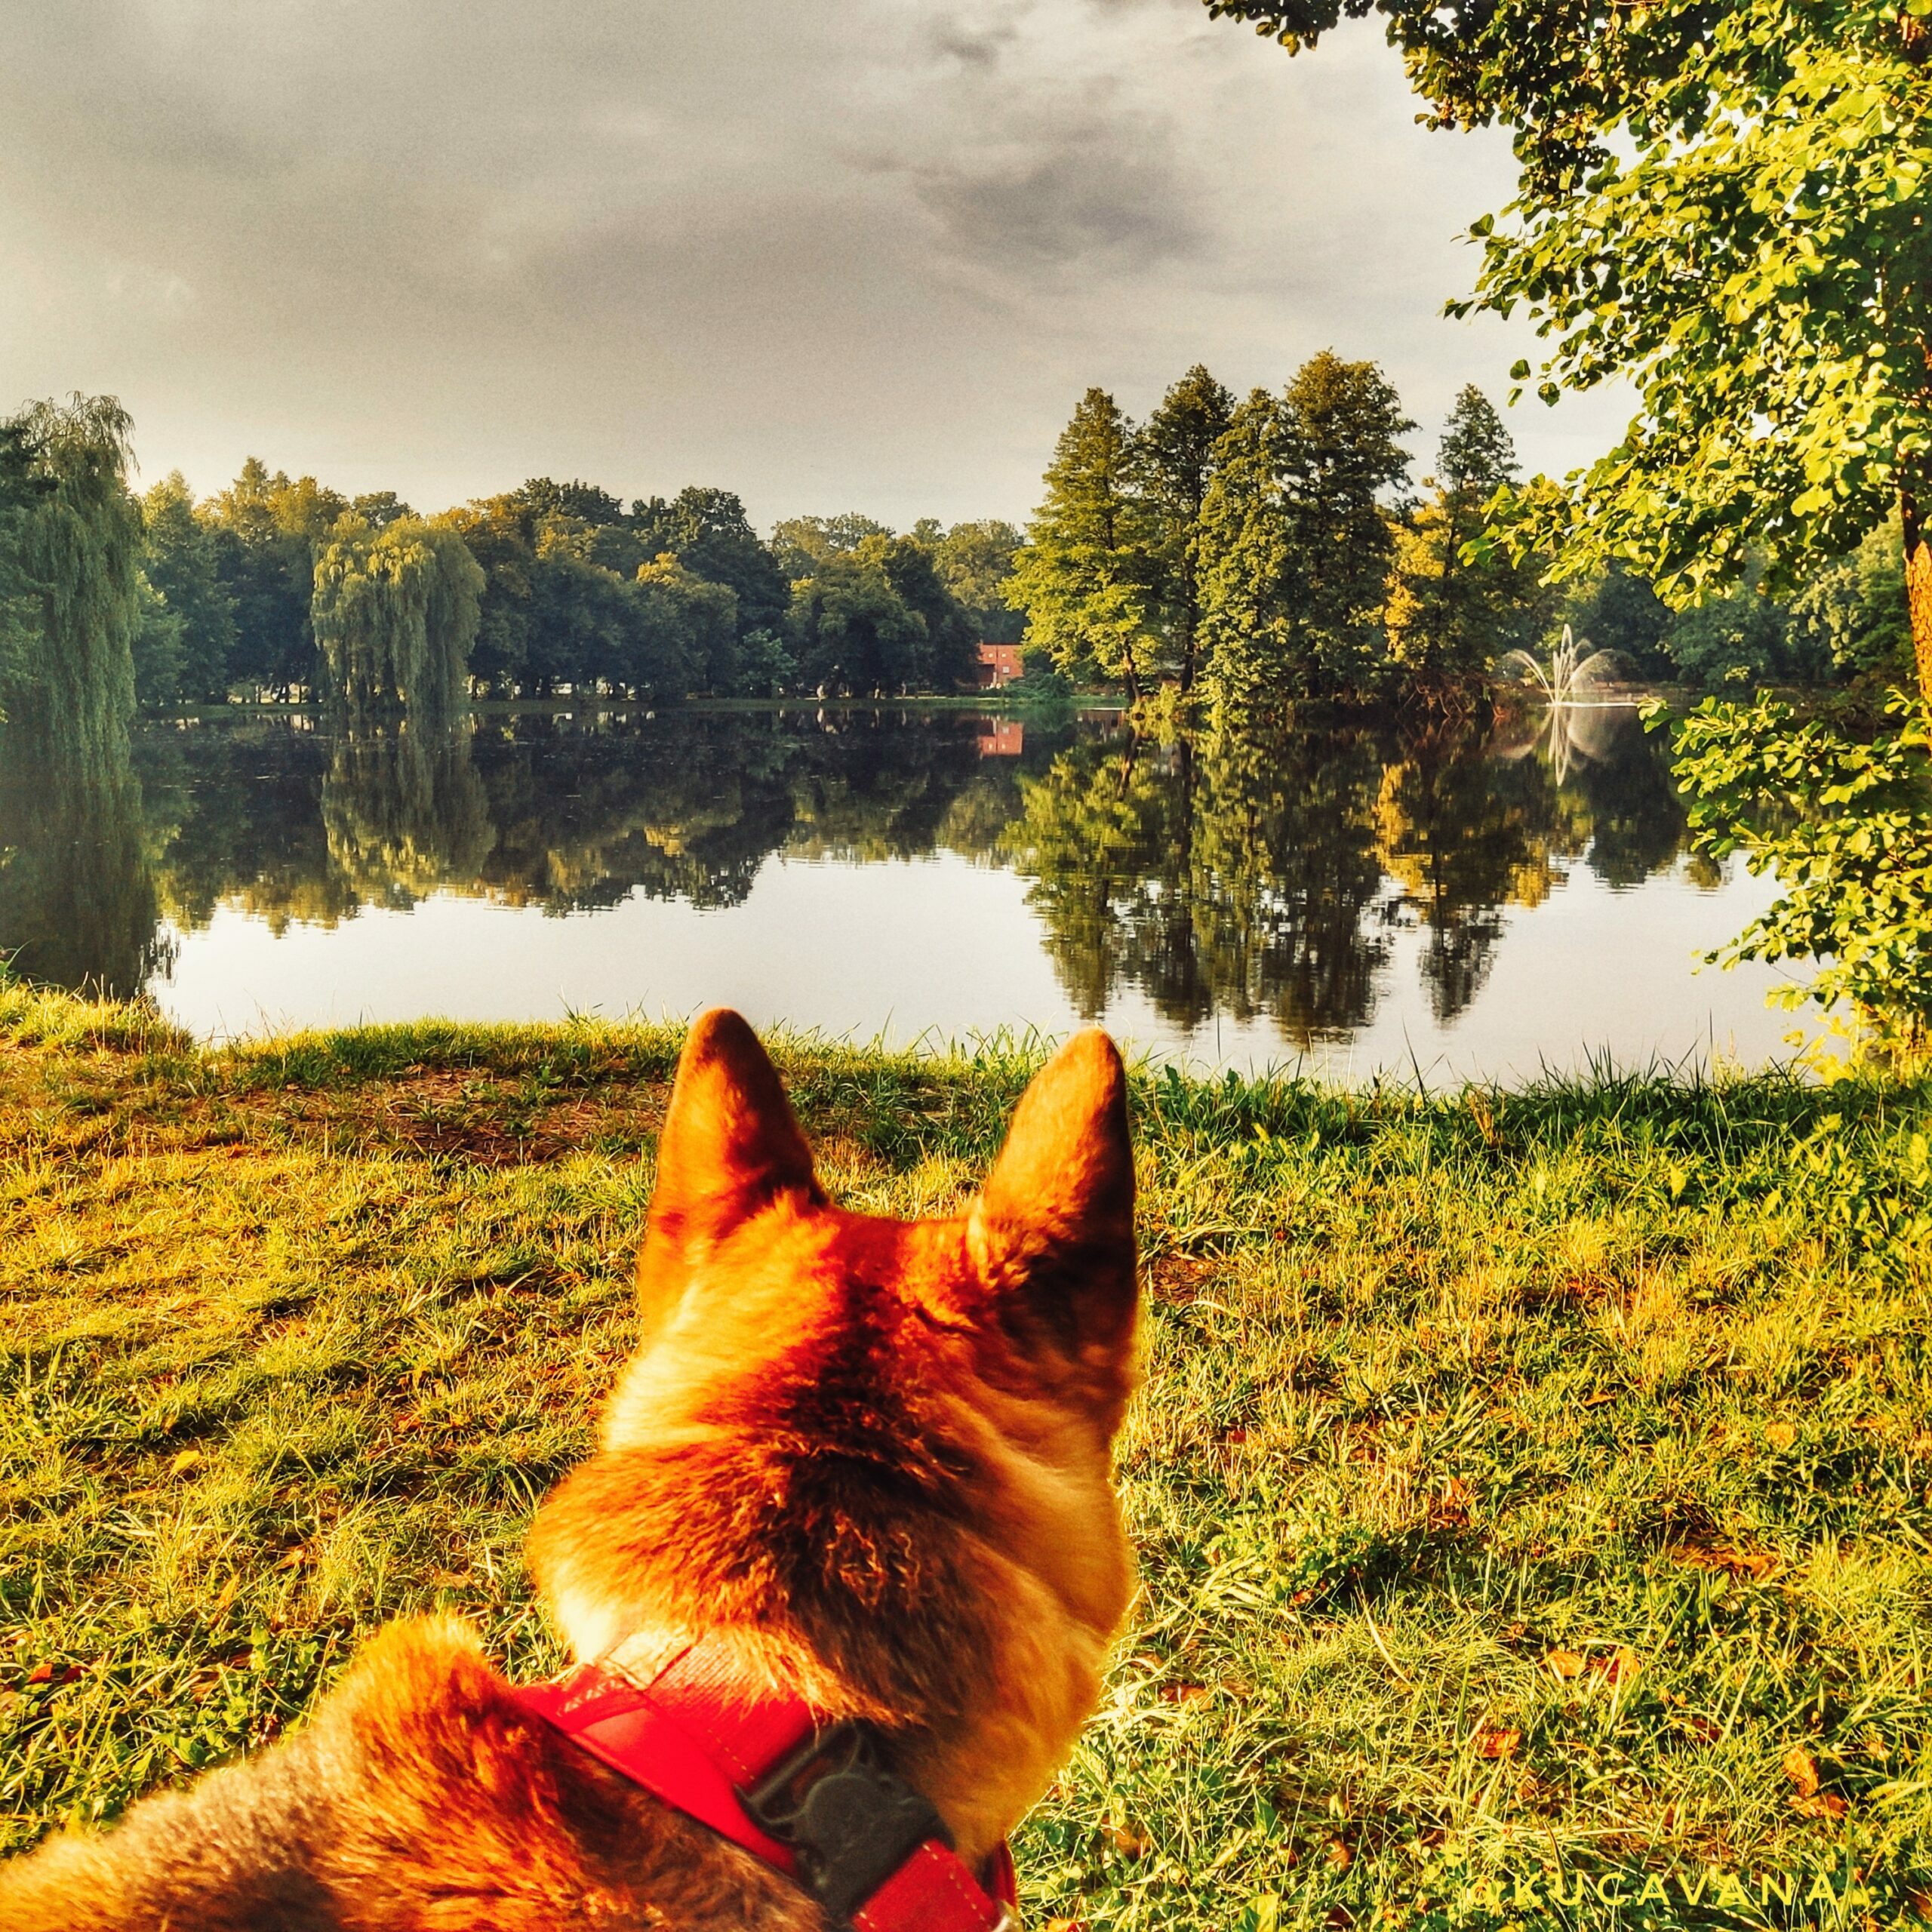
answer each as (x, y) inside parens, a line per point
(1533, 1490)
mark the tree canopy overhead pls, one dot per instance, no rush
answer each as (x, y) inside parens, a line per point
(1723, 200)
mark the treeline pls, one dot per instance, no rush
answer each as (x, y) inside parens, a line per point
(280, 587)
(1275, 548)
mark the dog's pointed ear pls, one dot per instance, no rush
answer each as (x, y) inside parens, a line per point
(1052, 1233)
(730, 1145)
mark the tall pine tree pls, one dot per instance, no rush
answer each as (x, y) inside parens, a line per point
(1082, 575)
(1176, 464)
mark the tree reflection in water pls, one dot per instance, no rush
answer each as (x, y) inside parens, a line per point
(78, 906)
(1255, 877)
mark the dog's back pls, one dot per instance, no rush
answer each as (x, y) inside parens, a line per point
(865, 1461)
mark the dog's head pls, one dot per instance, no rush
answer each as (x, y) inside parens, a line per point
(876, 1453)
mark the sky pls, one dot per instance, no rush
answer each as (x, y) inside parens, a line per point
(864, 256)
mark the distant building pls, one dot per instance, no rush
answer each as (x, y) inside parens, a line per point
(999, 665)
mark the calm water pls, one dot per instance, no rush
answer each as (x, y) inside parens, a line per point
(1351, 899)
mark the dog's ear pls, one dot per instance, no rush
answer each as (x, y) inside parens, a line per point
(1052, 1233)
(730, 1145)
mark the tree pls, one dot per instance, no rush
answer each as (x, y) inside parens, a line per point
(707, 532)
(178, 559)
(687, 633)
(1347, 420)
(1252, 569)
(802, 545)
(68, 694)
(1295, 542)
(1855, 609)
(944, 657)
(851, 631)
(1451, 613)
(1721, 201)
(975, 562)
(1081, 576)
(267, 528)
(542, 497)
(1177, 453)
(395, 612)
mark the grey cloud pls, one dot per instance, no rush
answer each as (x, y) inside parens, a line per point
(1073, 209)
(865, 254)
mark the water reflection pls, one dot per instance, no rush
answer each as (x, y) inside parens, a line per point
(78, 903)
(1264, 880)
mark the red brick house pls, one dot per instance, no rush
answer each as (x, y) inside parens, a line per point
(999, 665)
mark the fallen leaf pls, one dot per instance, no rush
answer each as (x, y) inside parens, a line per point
(1781, 1435)
(1125, 1840)
(1565, 1663)
(1756, 1564)
(1185, 1693)
(189, 1459)
(1497, 1741)
(1802, 1770)
(1819, 1805)
(1339, 1854)
(40, 1673)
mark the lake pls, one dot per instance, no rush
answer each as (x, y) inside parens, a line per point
(1351, 900)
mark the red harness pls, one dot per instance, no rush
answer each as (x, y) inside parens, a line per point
(813, 1799)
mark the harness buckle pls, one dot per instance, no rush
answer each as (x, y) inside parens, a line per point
(849, 1821)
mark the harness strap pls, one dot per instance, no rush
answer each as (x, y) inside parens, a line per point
(699, 1739)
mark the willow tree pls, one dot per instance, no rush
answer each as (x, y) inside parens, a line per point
(395, 612)
(67, 682)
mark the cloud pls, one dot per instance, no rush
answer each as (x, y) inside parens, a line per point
(861, 256)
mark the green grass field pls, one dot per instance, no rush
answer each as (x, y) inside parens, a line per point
(1533, 1492)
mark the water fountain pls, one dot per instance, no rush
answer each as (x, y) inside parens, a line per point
(1562, 684)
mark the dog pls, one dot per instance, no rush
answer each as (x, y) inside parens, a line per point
(853, 1502)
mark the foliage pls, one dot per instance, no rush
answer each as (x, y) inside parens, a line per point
(68, 689)
(395, 612)
(1846, 828)
(1723, 203)
(180, 559)
(974, 560)
(1453, 607)
(1177, 453)
(1296, 541)
(707, 532)
(1855, 609)
(851, 630)
(804, 544)
(1082, 575)
(1519, 1481)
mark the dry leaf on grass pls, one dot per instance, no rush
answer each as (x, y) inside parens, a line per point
(1564, 1663)
(189, 1459)
(1802, 1770)
(1819, 1805)
(1126, 1840)
(1497, 1741)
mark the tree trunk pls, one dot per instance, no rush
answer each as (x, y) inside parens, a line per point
(1918, 590)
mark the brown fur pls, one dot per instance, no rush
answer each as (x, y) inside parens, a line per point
(873, 1454)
